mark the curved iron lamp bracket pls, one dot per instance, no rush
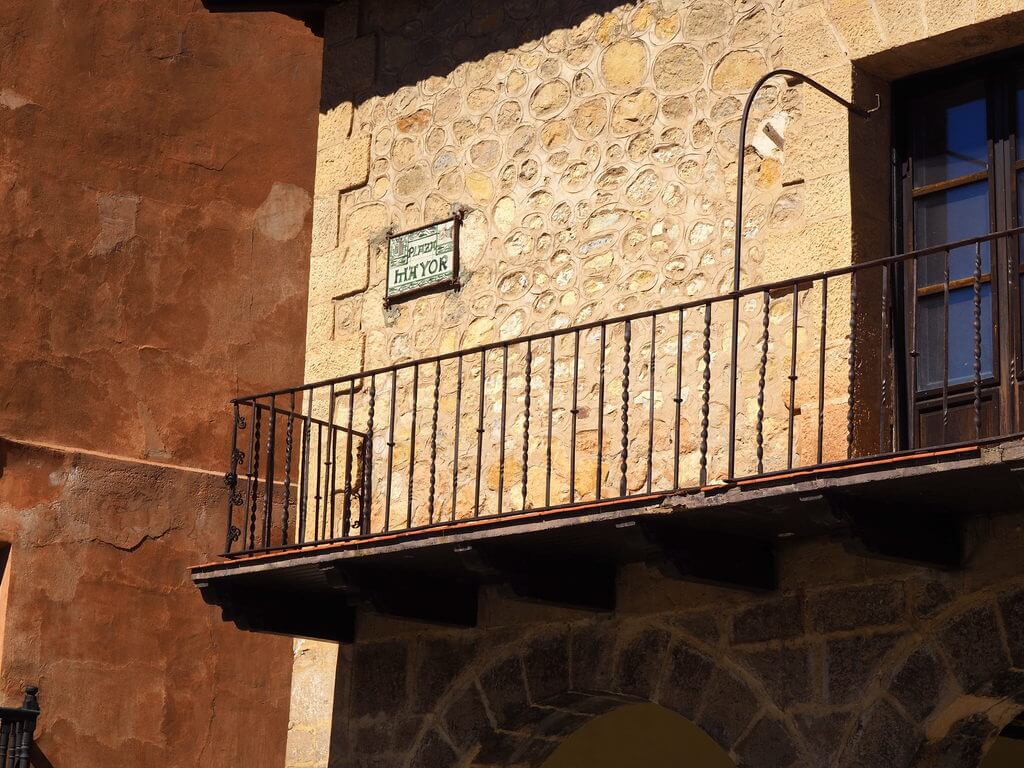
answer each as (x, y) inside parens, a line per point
(738, 223)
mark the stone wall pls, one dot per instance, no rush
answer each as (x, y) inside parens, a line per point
(592, 148)
(850, 663)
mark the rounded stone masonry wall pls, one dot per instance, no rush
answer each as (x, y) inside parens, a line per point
(899, 672)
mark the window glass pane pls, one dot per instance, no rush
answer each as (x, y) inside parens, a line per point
(948, 216)
(931, 346)
(950, 130)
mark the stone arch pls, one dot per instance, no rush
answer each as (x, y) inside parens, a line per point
(517, 707)
(947, 689)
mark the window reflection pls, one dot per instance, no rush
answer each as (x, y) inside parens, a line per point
(950, 134)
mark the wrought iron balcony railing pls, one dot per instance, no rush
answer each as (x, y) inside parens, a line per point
(17, 729)
(868, 360)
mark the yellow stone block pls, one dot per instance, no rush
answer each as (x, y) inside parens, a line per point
(343, 166)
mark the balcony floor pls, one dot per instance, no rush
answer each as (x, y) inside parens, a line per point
(908, 507)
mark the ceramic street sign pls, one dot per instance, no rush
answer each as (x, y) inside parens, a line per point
(423, 259)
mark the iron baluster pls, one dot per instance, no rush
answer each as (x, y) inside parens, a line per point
(366, 510)
(526, 419)
(852, 368)
(600, 417)
(304, 469)
(821, 367)
(346, 509)
(574, 412)
(288, 440)
(391, 452)
(268, 485)
(624, 460)
(328, 467)
(705, 408)
(254, 472)
(412, 445)
(433, 442)
(551, 411)
(650, 407)
(977, 340)
(761, 372)
(792, 376)
(316, 492)
(678, 400)
(455, 441)
(480, 435)
(883, 367)
(501, 438)
(945, 343)
(231, 479)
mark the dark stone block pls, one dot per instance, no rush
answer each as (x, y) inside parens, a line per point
(592, 648)
(931, 597)
(372, 737)
(498, 747)
(436, 665)
(964, 745)
(546, 661)
(466, 720)
(504, 686)
(379, 678)
(700, 626)
(1011, 605)
(559, 725)
(639, 663)
(919, 682)
(434, 752)
(823, 734)
(974, 648)
(851, 662)
(884, 738)
(871, 605)
(787, 673)
(687, 676)
(729, 707)
(780, 619)
(767, 745)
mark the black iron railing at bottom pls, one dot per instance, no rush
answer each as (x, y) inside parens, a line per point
(865, 360)
(17, 730)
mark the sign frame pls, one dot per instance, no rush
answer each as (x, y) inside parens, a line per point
(444, 284)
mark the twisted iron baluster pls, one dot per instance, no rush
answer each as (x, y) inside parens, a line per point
(945, 344)
(255, 473)
(623, 463)
(480, 433)
(433, 441)
(366, 507)
(526, 418)
(346, 510)
(231, 480)
(792, 376)
(288, 439)
(705, 408)
(391, 451)
(504, 420)
(762, 369)
(575, 411)
(268, 485)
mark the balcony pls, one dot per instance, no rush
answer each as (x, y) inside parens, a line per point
(863, 401)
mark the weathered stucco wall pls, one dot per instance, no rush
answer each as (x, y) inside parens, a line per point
(593, 148)
(156, 176)
(133, 668)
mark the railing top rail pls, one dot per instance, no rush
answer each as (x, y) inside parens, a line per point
(789, 283)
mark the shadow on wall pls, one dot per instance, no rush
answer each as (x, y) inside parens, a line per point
(413, 41)
(639, 734)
